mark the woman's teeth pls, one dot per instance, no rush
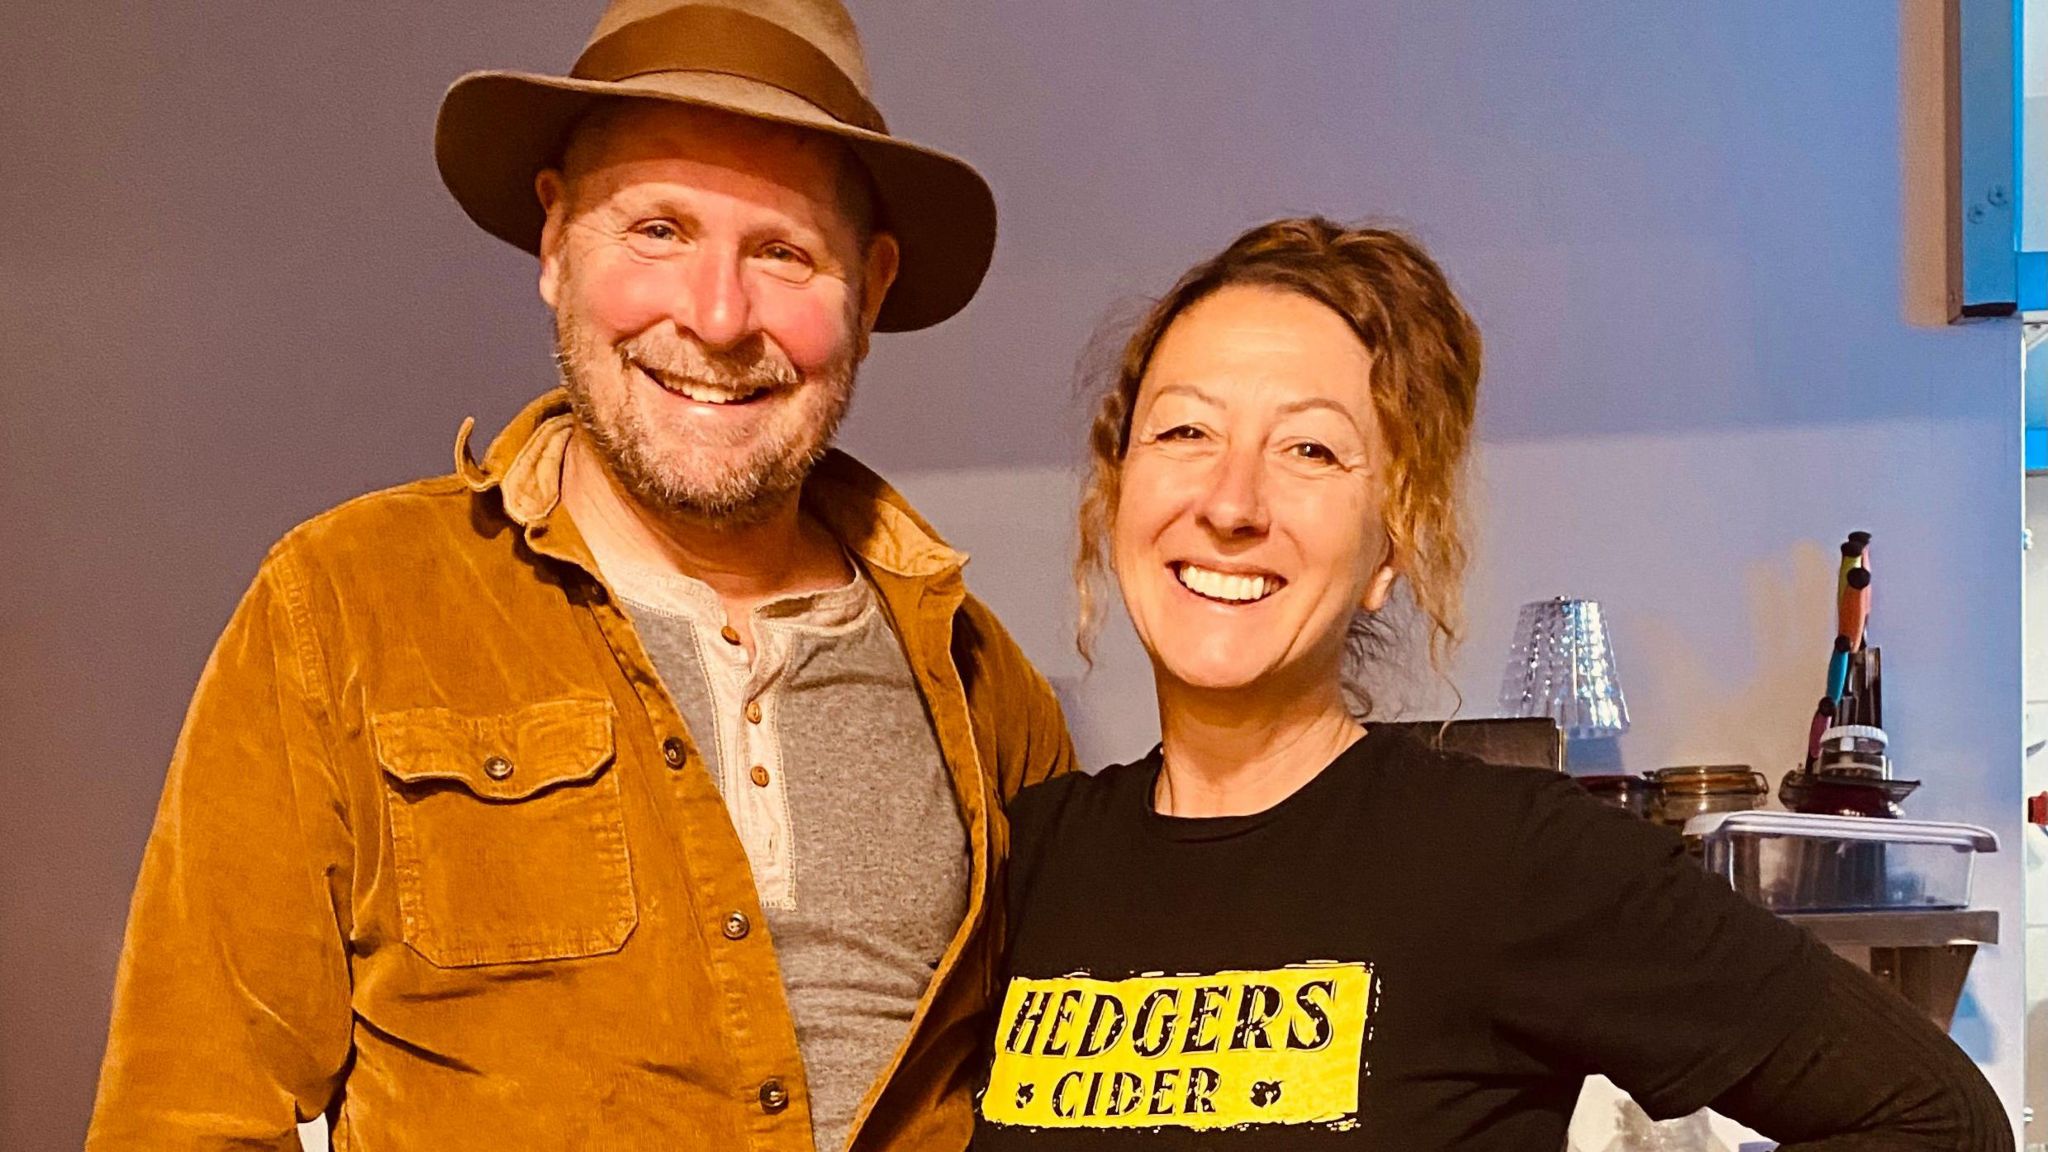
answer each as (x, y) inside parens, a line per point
(1224, 586)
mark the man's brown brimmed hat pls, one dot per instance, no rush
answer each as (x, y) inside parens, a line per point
(795, 62)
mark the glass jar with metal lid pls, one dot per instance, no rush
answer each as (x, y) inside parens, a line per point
(1696, 790)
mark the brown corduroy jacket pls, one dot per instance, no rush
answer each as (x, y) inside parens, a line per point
(437, 857)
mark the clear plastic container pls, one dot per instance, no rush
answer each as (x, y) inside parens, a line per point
(1797, 862)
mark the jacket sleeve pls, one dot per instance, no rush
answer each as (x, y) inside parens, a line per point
(231, 1015)
(1030, 729)
(1821, 1090)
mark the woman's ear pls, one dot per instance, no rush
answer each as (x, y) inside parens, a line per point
(1379, 588)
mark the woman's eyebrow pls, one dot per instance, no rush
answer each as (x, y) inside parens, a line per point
(1178, 389)
(1307, 402)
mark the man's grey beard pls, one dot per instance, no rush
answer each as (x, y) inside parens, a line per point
(733, 491)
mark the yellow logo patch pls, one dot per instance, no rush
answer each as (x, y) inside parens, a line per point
(1281, 1046)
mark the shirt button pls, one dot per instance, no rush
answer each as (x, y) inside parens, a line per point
(753, 711)
(673, 752)
(774, 1097)
(497, 767)
(729, 634)
(737, 926)
(759, 776)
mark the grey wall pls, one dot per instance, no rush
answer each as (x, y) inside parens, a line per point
(235, 293)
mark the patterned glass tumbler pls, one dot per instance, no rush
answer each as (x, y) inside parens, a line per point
(1562, 666)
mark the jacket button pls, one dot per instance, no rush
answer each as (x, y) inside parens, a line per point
(497, 767)
(673, 752)
(736, 928)
(774, 1097)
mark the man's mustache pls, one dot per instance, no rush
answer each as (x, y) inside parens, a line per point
(755, 364)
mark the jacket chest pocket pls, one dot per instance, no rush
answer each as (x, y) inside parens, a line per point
(508, 832)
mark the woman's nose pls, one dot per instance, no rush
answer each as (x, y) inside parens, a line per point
(1235, 504)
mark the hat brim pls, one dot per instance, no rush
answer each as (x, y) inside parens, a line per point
(498, 130)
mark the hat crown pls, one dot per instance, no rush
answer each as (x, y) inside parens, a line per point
(796, 63)
(824, 24)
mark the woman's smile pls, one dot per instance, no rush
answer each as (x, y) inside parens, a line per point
(1224, 584)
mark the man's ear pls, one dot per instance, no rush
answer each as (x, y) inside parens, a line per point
(553, 193)
(1379, 588)
(878, 274)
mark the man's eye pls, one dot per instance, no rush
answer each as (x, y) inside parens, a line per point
(660, 230)
(786, 262)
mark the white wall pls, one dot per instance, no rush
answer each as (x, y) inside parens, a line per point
(2035, 776)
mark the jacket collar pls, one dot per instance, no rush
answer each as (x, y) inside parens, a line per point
(872, 520)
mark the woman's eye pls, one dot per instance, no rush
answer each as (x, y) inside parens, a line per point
(1181, 432)
(1313, 452)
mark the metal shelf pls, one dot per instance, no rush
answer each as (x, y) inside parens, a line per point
(1922, 955)
(1930, 928)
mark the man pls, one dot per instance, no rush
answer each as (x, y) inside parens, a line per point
(639, 786)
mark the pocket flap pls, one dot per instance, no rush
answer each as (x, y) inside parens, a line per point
(507, 756)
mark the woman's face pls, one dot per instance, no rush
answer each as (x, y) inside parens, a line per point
(1248, 528)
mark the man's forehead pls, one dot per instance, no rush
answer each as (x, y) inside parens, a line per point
(643, 134)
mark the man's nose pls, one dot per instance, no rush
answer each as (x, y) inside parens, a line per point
(1235, 504)
(713, 304)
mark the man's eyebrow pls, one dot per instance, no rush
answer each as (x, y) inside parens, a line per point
(655, 203)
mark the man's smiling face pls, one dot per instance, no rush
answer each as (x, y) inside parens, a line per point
(713, 280)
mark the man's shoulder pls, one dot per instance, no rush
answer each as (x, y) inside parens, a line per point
(393, 530)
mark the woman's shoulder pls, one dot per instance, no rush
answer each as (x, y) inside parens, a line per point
(1409, 760)
(1079, 796)
(1529, 819)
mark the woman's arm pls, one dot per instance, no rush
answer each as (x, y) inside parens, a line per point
(1622, 956)
(1868, 1072)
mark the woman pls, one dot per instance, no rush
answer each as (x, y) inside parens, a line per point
(1286, 929)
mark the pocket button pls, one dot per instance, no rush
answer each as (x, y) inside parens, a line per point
(497, 768)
